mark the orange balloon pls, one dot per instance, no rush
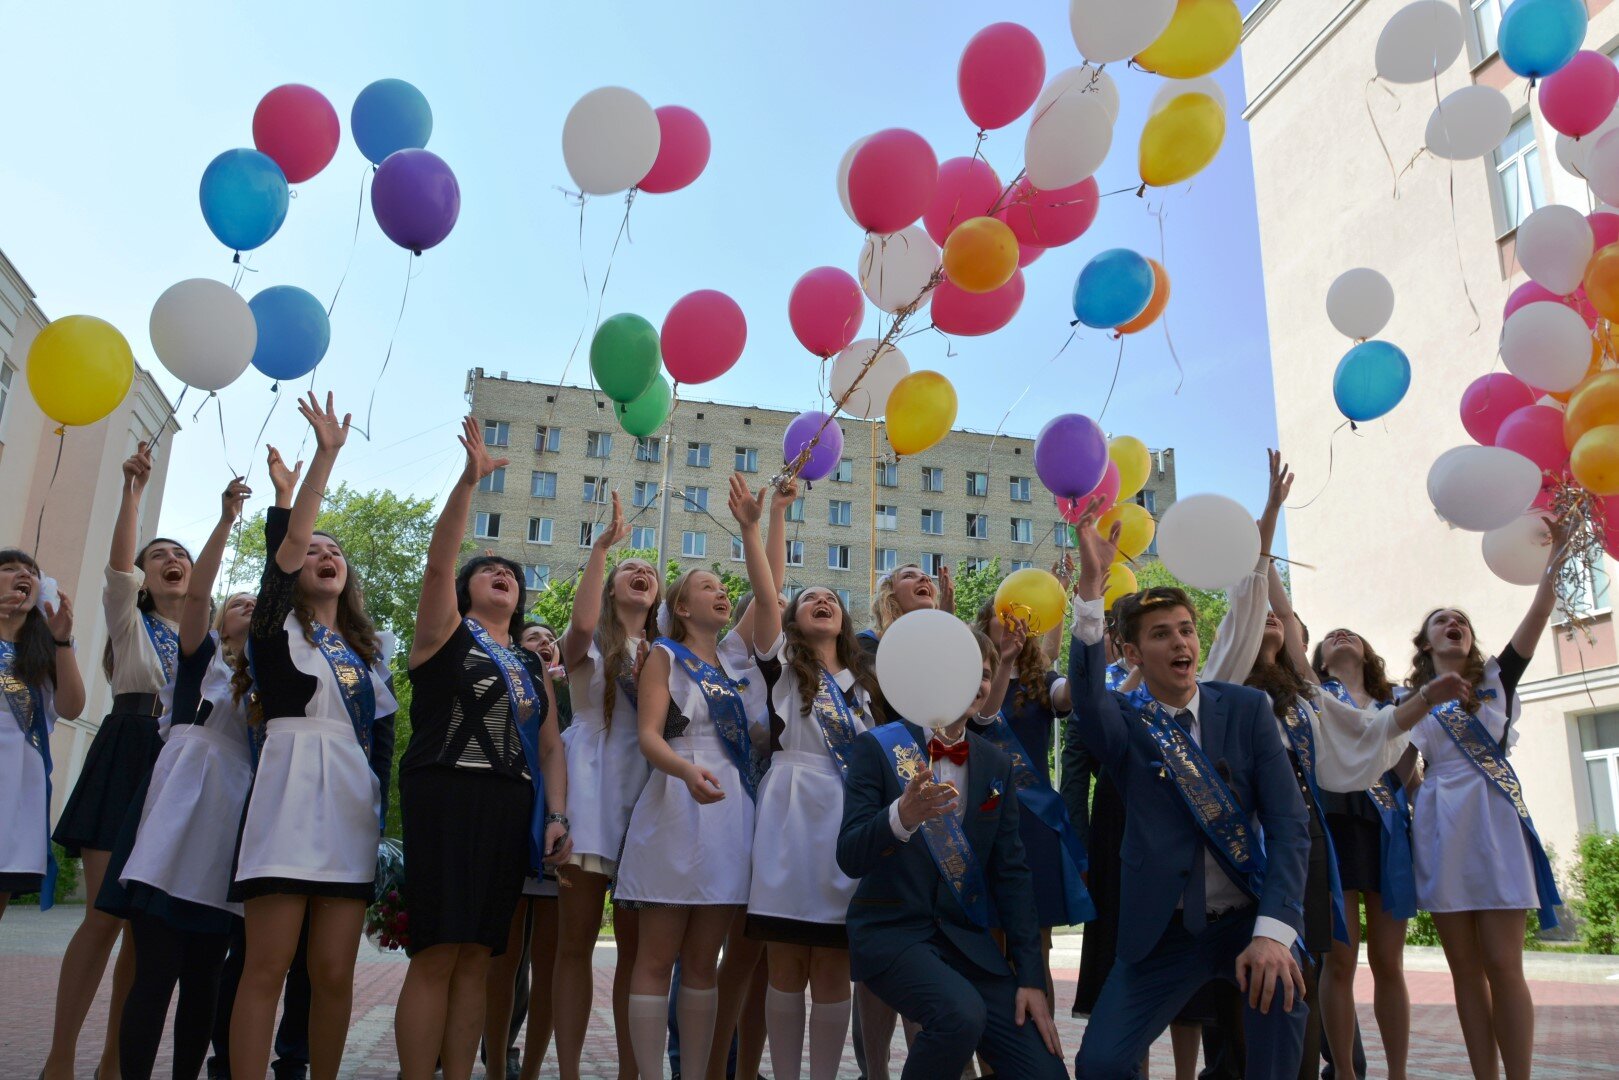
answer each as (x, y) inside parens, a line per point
(980, 255)
(1602, 281)
(1595, 461)
(1593, 404)
(1596, 366)
(1155, 306)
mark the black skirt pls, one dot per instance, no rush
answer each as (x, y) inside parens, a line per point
(1358, 841)
(811, 935)
(1101, 940)
(19, 884)
(114, 775)
(466, 855)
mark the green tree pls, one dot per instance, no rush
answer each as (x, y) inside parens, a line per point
(1596, 874)
(1209, 605)
(974, 586)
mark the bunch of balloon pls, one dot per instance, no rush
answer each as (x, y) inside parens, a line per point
(1373, 376)
(613, 140)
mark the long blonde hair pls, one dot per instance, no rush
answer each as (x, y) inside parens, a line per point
(614, 644)
(884, 604)
(678, 630)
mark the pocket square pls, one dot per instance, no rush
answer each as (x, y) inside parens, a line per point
(996, 790)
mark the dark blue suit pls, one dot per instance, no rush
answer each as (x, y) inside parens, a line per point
(911, 942)
(1161, 964)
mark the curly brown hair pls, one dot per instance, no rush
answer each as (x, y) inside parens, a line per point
(1031, 667)
(1422, 669)
(1280, 679)
(1373, 672)
(800, 655)
(614, 644)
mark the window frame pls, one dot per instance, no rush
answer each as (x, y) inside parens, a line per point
(644, 493)
(833, 506)
(980, 489)
(798, 546)
(494, 483)
(635, 536)
(649, 448)
(502, 433)
(491, 520)
(844, 473)
(599, 445)
(1028, 530)
(886, 513)
(1526, 165)
(596, 484)
(1021, 489)
(847, 557)
(547, 439)
(981, 520)
(698, 454)
(534, 481)
(695, 503)
(747, 459)
(547, 531)
(933, 479)
(687, 538)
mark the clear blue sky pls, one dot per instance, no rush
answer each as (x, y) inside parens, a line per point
(114, 116)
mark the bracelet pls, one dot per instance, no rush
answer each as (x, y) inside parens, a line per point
(557, 819)
(1422, 692)
(68, 644)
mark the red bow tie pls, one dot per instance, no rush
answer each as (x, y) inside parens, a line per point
(955, 753)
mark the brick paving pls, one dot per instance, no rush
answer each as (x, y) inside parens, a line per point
(1576, 997)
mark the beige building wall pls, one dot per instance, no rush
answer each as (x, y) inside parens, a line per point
(1326, 202)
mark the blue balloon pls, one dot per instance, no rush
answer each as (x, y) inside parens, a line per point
(1537, 37)
(293, 331)
(390, 115)
(244, 198)
(1371, 379)
(1114, 288)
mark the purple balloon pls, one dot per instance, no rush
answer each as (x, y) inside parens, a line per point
(823, 460)
(415, 198)
(1070, 455)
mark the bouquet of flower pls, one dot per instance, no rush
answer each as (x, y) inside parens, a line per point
(387, 923)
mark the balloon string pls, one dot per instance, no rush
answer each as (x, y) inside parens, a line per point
(359, 209)
(1455, 227)
(989, 455)
(1331, 454)
(1117, 364)
(399, 318)
(607, 274)
(198, 411)
(584, 276)
(1163, 260)
(224, 448)
(39, 525)
(164, 426)
(1366, 95)
(275, 389)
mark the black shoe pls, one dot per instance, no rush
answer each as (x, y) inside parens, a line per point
(514, 1067)
(291, 1070)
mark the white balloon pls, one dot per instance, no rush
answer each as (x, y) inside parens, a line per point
(869, 400)
(1547, 345)
(1554, 244)
(1420, 41)
(896, 269)
(1083, 79)
(843, 176)
(1480, 488)
(1517, 552)
(1469, 123)
(1579, 156)
(203, 332)
(610, 140)
(1068, 141)
(1602, 168)
(1110, 30)
(929, 667)
(1569, 154)
(1174, 88)
(1360, 303)
(1208, 541)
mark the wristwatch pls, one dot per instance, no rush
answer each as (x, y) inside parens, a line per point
(68, 644)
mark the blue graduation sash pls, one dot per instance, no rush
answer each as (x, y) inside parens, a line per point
(945, 839)
(1301, 737)
(1399, 880)
(527, 716)
(724, 697)
(28, 707)
(353, 682)
(836, 717)
(1116, 674)
(165, 642)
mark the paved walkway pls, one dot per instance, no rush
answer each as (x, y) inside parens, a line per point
(1577, 999)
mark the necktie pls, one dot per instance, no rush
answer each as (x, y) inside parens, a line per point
(955, 753)
(1194, 907)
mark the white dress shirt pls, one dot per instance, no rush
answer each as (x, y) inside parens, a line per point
(945, 771)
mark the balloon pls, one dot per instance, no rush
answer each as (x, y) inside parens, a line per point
(980, 255)
(1113, 288)
(1517, 552)
(1106, 489)
(843, 175)
(79, 369)
(1067, 141)
(967, 188)
(1000, 74)
(891, 180)
(1155, 307)
(1489, 400)
(1180, 140)
(1595, 460)
(921, 411)
(1547, 345)
(929, 667)
(1120, 581)
(1536, 432)
(293, 331)
(1469, 123)
(244, 198)
(1045, 219)
(1174, 88)
(825, 309)
(824, 456)
(1601, 165)
(683, 147)
(703, 336)
(1371, 379)
(956, 311)
(1594, 404)
(1027, 253)
(1201, 36)
(1070, 455)
(1580, 96)
(388, 116)
(624, 357)
(1602, 281)
(1604, 228)
(895, 270)
(1479, 488)
(610, 140)
(1575, 156)
(1208, 541)
(1539, 37)
(203, 332)
(416, 199)
(1531, 292)
(646, 414)
(1554, 244)
(1568, 151)
(1134, 460)
(1083, 79)
(1136, 528)
(1107, 31)
(868, 400)
(1360, 303)
(1419, 42)
(297, 128)
(1033, 595)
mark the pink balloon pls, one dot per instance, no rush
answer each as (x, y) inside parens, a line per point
(1027, 253)
(1604, 227)
(1536, 432)
(956, 311)
(1489, 400)
(682, 151)
(826, 308)
(1577, 97)
(967, 188)
(1531, 292)
(1073, 509)
(1051, 219)
(1000, 74)
(891, 180)
(703, 336)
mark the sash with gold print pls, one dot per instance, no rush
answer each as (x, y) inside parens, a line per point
(353, 682)
(1301, 740)
(723, 695)
(837, 719)
(165, 642)
(27, 706)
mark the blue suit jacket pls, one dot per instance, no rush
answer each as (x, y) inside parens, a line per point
(902, 899)
(1161, 838)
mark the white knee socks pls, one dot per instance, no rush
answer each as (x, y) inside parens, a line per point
(784, 1025)
(695, 1014)
(649, 1025)
(828, 1031)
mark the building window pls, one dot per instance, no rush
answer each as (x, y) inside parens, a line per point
(747, 459)
(1519, 187)
(1599, 742)
(1020, 489)
(974, 562)
(694, 545)
(932, 562)
(1147, 500)
(547, 440)
(887, 560)
(978, 484)
(696, 499)
(843, 598)
(645, 493)
(845, 473)
(1022, 564)
(888, 474)
(543, 485)
(7, 373)
(648, 448)
(837, 557)
(643, 536)
(887, 518)
(697, 455)
(838, 512)
(539, 530)
(978, 526)
(795, 512)
(737, 554)
(537, 578)
(1022, 531)
(932, 479)
(1486, 24)
(599, 444)
(589, 530)
(933, 522)
(1594, 589)
(486, 526)
(595, 489)
(494, 483)
(496, 433)
(795, 553)
(1061, 535)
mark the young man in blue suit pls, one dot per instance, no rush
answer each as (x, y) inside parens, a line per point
(1216, 842)
(936, 862)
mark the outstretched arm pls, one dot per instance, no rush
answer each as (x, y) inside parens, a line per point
(747, 508)
(195, 615)
(1292, 629)
(137, 470)
(68, 681)
(437, 613)
(587, 597)
(1236, 643)
(1529, 631)
(330, 434)
(1096, 721)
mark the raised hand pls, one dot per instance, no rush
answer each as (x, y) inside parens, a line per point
(479, 463)
(922, 799)
(1562, 530)
(784, 495)
(616, 530)
(1281, 483)
(230, 502)
(1014, 632)
(1096, 553)
(745, 506)
(1063, 571)
(138, 468)
(283, 479)
(59, 617)
(330, 432)
(947, 589)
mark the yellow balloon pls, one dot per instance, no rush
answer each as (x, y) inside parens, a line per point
(980, 255)
(1201, 37)
(1035, 596)
(79, 369)
(921, 411)
(1602, 281)
(1137, 528)
(1181, 139)
(1594, 404)
(1121, 581)
(1595, 460)
(1134, 460)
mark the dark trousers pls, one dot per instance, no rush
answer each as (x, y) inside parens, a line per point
(166, 958)
(963, 1010)
(291, 1036)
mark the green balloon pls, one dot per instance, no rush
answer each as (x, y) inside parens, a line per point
(646, 414)
(624, 356)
